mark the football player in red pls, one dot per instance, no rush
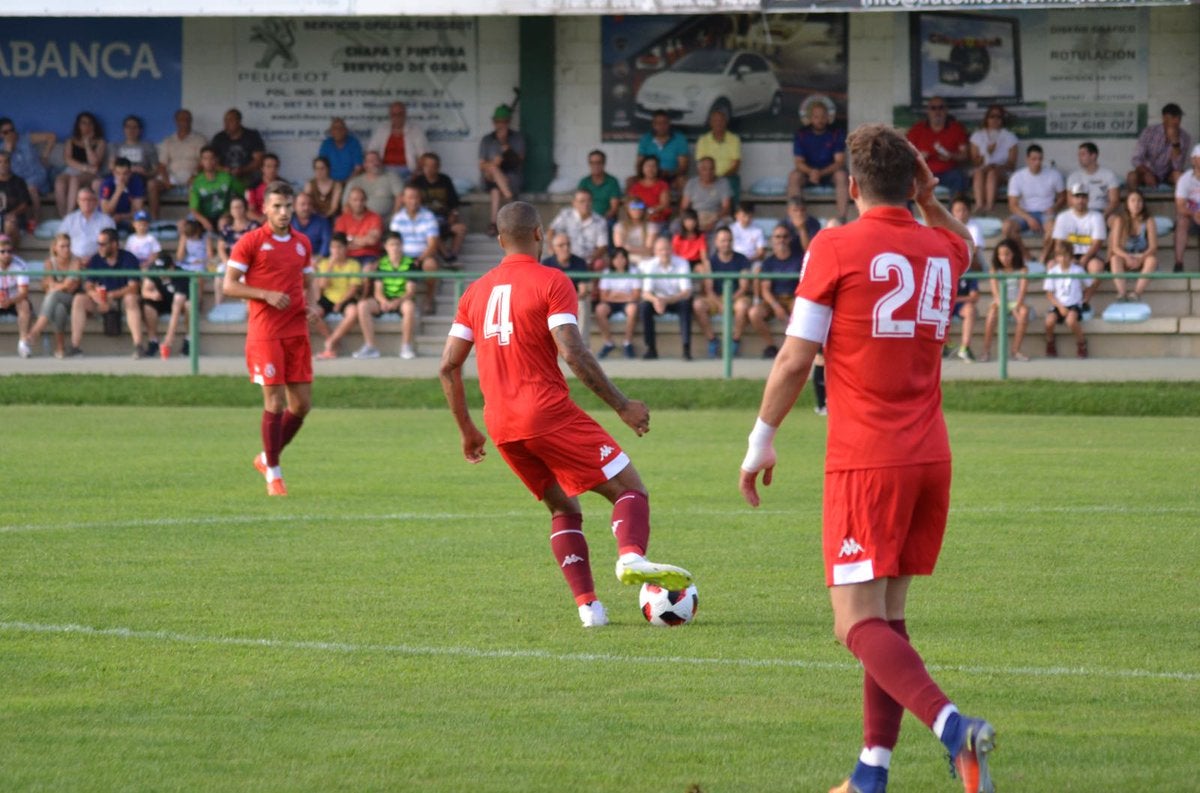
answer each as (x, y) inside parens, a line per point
(271, 268)
(519, 317)
(877, 293)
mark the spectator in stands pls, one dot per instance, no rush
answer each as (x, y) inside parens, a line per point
(1133, 245)
(234, 224)
(620, 292)
(819, 154)
(1104, 189)
(178, 160)
(689, 242)
(363, 229)
(1160, 155)
(748, 239)
(14, 292)
(162, 293)
(16, 204)
(84, 155)
(1035, 194)
(325, 191)
(255, 196)
(635, 233)
(776, 296)
(708, 195)
(994, 156)
(195, 251)
(338, 295)
(802, 226)
(561, 258)
(211, 191)
(725, 148)
(502, 162)
(665, 295)
(942, 140)
(141, 154)
(710, 301)
(1084, 228)
(393, 293)
(141, 243)
(58, 290)
(966, 298)
(122, 193)
(1007, 259)
(604, 187)
(84, 224)
(342, 151)
(669, 147)
(318, 229)
(1187, 208)
(440, 196)
(384, 190)
(587, 230)
(240, 150)
(29, 155)
(1066, 299)
(653, 191)
(103, 293)
(421, 236)
(399, 143)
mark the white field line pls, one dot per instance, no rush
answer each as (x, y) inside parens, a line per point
(534, 514)
(349, 648)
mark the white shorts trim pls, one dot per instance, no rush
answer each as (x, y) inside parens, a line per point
(460, 331)
(615, 466)
(810, 321)
(561, 319)
(853, 572)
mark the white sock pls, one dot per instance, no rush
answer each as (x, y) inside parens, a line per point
(876, 756)
(939, 724)
(274, 473)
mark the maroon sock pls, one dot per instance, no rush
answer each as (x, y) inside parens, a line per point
(881, 713)
(571, 552)
(897, 668)
(631, 522)
(289, 425)
(271, 430)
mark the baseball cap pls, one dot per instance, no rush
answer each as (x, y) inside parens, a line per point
(1172, 109)
(1079, 188)
(637, 203)
(502, 113)
(141, 214)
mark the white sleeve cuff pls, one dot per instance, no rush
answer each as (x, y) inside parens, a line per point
(241, 268)
(810, 321)
(460, 331)
(561, 319)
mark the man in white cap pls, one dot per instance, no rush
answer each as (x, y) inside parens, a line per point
(1084, 229)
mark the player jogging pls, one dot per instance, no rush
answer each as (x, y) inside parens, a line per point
(877, 293)
(520, 317)
(271, 267)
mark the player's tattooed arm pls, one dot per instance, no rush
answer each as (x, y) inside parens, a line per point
(585, 366)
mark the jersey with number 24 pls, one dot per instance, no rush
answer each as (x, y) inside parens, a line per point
(509, 314)
(884, 287)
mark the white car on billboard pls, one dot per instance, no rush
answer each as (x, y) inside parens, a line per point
(735, 81)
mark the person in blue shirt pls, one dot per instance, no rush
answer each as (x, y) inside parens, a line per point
(777, 294)
(310, 224)
(670, 147)
(103, 293)
(343, 151)
(820, 157)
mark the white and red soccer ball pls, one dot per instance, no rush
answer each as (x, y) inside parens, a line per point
(668, 608)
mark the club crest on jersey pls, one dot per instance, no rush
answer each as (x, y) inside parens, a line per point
(299, 249)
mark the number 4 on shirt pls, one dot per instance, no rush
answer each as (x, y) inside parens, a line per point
(934, 306)
(497, 321)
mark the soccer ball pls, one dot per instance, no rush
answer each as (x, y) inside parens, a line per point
(666, 608)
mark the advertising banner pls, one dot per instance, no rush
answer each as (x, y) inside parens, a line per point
(51, 69)
(763, 71)
(294, 75)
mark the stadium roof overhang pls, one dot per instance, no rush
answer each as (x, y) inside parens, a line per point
(394, 8)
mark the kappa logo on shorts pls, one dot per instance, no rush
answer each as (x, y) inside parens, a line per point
(605, 451)
(850, 547)
(269, 371)
(572, 559)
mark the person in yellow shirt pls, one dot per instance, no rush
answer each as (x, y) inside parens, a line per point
(725, 148)
(338, 295)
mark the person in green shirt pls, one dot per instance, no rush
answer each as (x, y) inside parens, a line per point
(211, 191)
(604, 187)
(393, 292)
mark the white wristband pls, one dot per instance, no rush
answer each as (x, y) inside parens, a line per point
(761, 452)
(762, 435)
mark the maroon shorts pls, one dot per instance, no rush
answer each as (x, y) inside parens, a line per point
(884, 522)
(279, 361)
(578, 456)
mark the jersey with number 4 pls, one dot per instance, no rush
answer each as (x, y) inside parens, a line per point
(509, 314)
(878, 293)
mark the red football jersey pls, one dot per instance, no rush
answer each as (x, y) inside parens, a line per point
(508, 314)
(277, 264)
(886, 285)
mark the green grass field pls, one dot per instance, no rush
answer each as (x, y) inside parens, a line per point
(398, 622)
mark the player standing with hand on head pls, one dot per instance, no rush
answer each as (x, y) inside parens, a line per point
(877, 293)
(271, 267)
(520, 317)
